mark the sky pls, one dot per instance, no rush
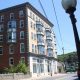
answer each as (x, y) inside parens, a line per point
(65, 25)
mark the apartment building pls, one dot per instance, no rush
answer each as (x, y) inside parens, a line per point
(25, 34)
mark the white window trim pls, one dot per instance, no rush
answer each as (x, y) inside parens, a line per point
(10, 59)
(21, 22)
(21, 13)
(20, 48)
(9, 49)
(11, 15)
(20, 34)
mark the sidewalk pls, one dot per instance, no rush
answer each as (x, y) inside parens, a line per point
(40, 77)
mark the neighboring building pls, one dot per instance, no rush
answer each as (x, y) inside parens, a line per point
(25, 34)
(60, 67)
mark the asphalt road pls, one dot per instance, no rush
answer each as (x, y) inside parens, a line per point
(69, 76)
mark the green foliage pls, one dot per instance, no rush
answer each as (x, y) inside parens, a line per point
(69, 57)
(70, 60)
(20, 68)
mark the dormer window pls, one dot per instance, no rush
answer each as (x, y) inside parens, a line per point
(21, 13)
(11, 16)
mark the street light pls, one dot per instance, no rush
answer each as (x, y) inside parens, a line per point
(70, 7)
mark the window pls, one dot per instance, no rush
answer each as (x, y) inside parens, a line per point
(31, 24)
(11, 49)
(22, 59)
(31, 14)
(22, 35)
(33, 17)
(1, 38)
(22, 48)
(36, 18)
(21, 13)
(11, 16)
(41, 50)
(11, 61)
(12, 37)
(35, 37)
(34, 68)
(1, 28)
(32, 35)
(34, 26)
(21, 23)
(33, 48)
(1, 50)
(2, 18)
(12, 24)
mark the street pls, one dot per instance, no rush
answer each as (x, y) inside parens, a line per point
(69, 76)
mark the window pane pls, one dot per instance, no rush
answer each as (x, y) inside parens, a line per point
(1, 50)
(21, 13)
(22, 48)
(21, 23)
(34, 68)
(11, 61)
(33, 48)
(1, 38)
(22, 35)
(11, 49)
(1, 28)
(11, 15)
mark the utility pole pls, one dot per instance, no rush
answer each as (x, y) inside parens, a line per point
(63, 58)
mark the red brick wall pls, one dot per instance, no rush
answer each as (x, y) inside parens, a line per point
(4, 59)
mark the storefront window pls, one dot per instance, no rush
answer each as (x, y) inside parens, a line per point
(34, 68)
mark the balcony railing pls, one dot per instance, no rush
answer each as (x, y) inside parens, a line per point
(40, 31)
(12, 41)
(48, 29)
(41, 43)
(50, 46)
(49, 37)
(40, 28)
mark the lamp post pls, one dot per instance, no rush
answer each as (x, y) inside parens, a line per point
(70, 7)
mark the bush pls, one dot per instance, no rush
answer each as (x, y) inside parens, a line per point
(20, 68)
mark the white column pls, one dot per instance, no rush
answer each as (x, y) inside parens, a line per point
(44, 67)
(31, 65)
(52, 66)
(56, 66)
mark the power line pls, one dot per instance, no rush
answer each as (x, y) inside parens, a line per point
(47, 18)
(57, 22)
(43, 9)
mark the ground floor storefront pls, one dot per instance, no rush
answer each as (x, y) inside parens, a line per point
(42, 66)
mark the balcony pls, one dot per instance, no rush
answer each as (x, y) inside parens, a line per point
(11, 29)
(49, 37)
(50, 46)
(40, 28)
(12, 41)
(48, 30)
(41, 43)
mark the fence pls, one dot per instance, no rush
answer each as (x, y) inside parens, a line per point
(14, 76)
